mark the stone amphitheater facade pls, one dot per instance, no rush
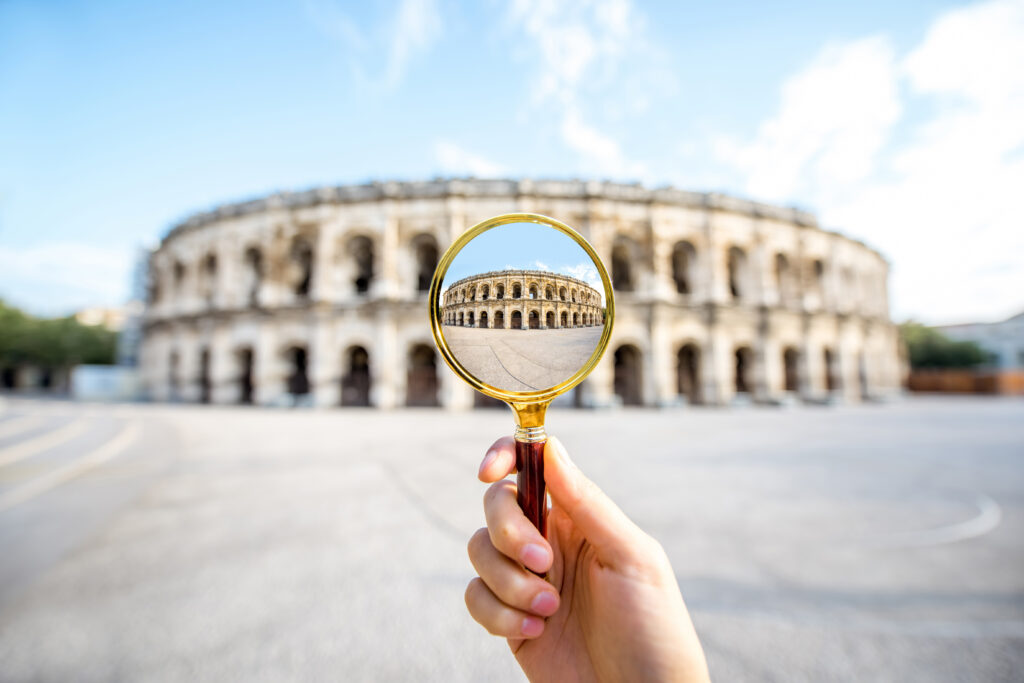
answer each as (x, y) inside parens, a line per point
(320, 298)
(520, 300)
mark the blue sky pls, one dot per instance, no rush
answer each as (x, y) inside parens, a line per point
(524, 246)
(901, 124)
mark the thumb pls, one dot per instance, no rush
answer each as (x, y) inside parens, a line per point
(615, 537)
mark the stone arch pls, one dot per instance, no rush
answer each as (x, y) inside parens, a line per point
(534, 318)
(483, 319)
(629, 375)
(832, 375)
(573, 295)
(549, 319)
(622, 269)
(462, 318)
(743, 360)
(209, 272)
(516, 320)
(517, 290)
(253, 259)
(564, 322)
(485, 292)
(533, 291)
(499, 291)
(426, 252)
(737, 266)
(173, 377)
(791, 369)
(575, 319)
(205, 387)
(356, 382)
(688, 372)
(784, 278)
(179, 272)
(297, 358)
(470, 319)
(244, 360)
(684, 260)
(561, 293)
(547, 292)
(499, 320)
(302, 260)
(421, 381)
(362, 251)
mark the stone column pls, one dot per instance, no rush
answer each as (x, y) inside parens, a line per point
(388, 363)
(324, 369)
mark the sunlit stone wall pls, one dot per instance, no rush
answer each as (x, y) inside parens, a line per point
(319, 297)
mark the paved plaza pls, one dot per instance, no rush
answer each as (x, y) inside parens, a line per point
(522, 360)
(162, 543)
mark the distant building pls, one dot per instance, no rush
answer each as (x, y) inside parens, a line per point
(319, 297)
(110, 318)
(1004, 341)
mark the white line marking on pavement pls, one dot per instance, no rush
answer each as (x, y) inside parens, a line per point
(55, 478)
(25, 449)
(990, 515)
(16, 425)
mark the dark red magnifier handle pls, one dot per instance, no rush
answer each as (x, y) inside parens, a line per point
(530, 482)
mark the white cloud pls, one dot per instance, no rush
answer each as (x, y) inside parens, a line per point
(454, 159)
(596, 53)
(62, 277)
(413, 28)
(540, 265)
(588, 273)
(938, 193)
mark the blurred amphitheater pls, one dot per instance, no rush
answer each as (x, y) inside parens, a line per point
(320, 298)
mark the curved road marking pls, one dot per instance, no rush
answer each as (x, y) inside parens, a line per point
(56, 477)
(989, 516)
(25, 449)
(17, 425)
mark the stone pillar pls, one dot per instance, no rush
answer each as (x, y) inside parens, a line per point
(324, 368)
(386, 282)
(268, 374)
(388, 363)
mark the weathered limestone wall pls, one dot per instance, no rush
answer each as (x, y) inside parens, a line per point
(311, 296)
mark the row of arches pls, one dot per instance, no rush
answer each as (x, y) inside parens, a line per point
(496, 291)
(356, 260)
(533, 320)
(355, 382)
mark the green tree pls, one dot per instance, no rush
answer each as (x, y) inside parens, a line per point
(929, 348)
(52, 343)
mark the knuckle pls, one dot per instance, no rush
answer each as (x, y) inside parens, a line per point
(478, 541)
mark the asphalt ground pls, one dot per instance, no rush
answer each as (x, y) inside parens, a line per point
(173, 543)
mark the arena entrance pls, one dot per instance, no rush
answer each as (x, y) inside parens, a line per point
(791, 369)
(421, 382)
(204, 376)
(688, 373)
(517, 320)
(549, 319)
(245, 367)
(565, 319)
(355, 383)
(298, 378)
(483, 319)
(831, 372)
(743, 359)
(534, 320)
(628, 377)
(499, 320)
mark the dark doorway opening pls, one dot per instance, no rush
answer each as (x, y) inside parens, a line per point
(204, 376)
(245, 385)
(298, 378)
(517, 320)
(355, 383)
(421, 382)
(534, 320)
(628, 375)
(688, 373)
(791, 368)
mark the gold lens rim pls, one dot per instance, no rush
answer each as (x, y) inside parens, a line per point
(518, 397)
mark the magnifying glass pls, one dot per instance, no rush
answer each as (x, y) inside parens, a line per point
(521, 308)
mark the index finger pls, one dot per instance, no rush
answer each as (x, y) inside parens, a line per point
(500, 460)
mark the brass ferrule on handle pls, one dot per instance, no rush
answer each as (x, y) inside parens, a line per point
(530, 434)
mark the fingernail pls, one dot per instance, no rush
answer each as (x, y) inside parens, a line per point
(561, 452)
(545, 604)
(488, 459)
(535, 557)
(532, 627)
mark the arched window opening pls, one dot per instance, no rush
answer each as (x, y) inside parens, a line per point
(688, 373)
(421, 382)
(361, 249)
(628, 375)
(547, 293)
(426, 262)
(254, 275)
(622, 274)
(302, 257)
(737, 262)
(355, 383)
(499, 291)
(683, 261)
(533, 291)
(485, 292)
(179, 276)
(783, 278)
(517, 291)
(561, 293)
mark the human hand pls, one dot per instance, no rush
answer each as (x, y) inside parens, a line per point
(612, 610)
